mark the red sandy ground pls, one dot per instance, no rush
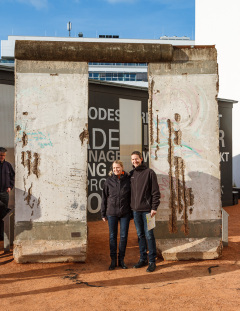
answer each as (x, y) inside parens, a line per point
(175, 285)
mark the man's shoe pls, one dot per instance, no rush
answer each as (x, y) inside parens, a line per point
(122, 264)
(113, 264)
(141, 264)
(151, 267)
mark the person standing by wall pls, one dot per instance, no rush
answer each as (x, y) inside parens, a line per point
(7, 178)
(116, 208)
(145, 198)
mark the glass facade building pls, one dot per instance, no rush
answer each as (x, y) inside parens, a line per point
(117, 76)
(120, 71)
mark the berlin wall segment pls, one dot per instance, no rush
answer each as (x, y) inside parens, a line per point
(184, 152)
(51, 161)
(187, 83)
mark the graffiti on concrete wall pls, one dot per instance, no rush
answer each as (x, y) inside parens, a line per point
(181, 197)
(32, 138)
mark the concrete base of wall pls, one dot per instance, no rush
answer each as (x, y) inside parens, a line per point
(50, 242)
(197, 229)
(189, 248)
(49, 251)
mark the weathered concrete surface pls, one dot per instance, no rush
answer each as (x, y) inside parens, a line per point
(224, 227)
(197, 228)
(184, 152)
(93, 51)
(51, 161)
(189, 248)
(50, 241)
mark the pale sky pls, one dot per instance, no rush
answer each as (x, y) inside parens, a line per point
(141, 19)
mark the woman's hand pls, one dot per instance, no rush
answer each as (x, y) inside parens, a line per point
(104, 218)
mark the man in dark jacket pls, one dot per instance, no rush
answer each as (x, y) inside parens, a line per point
(7, 176)
(145, 198)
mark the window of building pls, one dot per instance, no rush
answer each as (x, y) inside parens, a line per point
(115, 76)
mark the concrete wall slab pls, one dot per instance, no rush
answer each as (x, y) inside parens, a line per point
(184, 139)
(51, 136)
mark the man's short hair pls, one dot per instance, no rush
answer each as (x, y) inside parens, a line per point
(137, 153)
(3, 149)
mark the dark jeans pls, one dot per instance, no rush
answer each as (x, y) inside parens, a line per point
(145, 235)
(113, 232)
(4, 198)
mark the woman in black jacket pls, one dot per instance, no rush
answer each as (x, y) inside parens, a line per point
(116, 208)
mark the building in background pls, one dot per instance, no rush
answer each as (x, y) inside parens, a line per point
(218, 23)
(7, 116)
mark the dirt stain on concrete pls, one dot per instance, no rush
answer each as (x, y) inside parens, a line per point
(181, 197)
(24, 139)
(84, 135)
(26, 161)
(28, 197)
(172, 200)
(36, 163)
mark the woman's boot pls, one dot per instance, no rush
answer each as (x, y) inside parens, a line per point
(122, 264)
(113, 264)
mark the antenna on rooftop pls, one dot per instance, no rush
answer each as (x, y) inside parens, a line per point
(69, 28)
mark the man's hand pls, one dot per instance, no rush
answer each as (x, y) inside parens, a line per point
(104, 218)
(153, 213)
(8, 190)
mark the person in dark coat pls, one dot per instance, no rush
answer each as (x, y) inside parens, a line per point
(7, 177)
(145, 199)
(116, 208)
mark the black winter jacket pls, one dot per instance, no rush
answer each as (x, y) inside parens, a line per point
(116, 196)
(145, 194)
(8, 176)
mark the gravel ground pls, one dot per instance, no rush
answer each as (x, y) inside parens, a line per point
(175, 285)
